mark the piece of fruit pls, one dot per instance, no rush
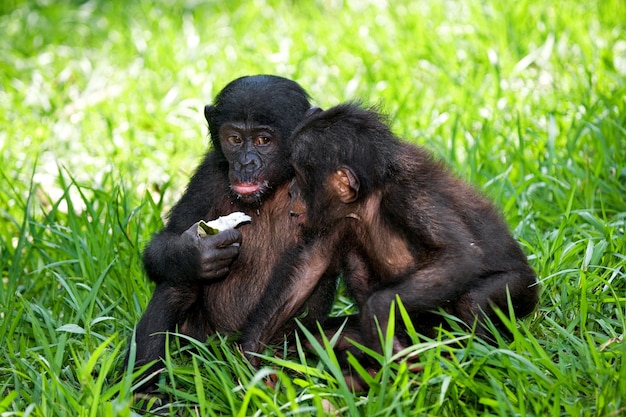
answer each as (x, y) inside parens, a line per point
(230, 221)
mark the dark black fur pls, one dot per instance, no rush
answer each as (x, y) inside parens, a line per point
(396, 223)
(207, 285)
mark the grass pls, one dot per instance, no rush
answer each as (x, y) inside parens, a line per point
(101, 127)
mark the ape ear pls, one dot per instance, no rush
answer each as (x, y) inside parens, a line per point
(346, 184)
(310, 112)
(208, 110)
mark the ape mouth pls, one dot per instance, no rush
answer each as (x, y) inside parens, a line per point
(250, 192)
(247, 188)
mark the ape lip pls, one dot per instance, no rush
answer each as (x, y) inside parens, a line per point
(246, 188)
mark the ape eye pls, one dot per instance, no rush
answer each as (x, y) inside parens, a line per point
(234, 140)
(262, 140)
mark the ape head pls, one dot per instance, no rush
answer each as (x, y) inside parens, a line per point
(250, 124)
(339, 156)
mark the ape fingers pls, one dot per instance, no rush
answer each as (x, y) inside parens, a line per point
(255, 361)
(357, 384)
(411, 359)
(213, 273)
(217, 253)
(248, 350)
(225, 238)
(215, 263)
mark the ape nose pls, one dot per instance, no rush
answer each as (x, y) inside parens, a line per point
(250, 162)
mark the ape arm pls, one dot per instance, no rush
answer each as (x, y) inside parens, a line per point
(291, 284)
(179, 259)
(176, 254)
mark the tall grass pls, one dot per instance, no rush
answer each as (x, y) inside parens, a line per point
(101, 125)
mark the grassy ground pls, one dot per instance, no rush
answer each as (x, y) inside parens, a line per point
(101, 126)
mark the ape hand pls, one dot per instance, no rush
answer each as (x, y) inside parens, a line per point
(215, 253)
(249, 349)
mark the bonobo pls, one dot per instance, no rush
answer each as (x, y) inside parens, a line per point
(210, 284)
(397, 223)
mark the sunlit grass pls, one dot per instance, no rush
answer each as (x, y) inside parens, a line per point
(101, 125)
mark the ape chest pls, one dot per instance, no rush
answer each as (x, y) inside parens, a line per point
(263, 245)
(249, 276)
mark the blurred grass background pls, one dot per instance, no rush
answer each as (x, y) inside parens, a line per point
(101, 126)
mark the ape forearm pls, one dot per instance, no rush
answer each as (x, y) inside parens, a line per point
(291, 285)
(268, 314)
(431, 287)
(170, 258)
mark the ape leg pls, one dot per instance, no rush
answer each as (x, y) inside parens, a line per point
(493, 291)
(350, 332)
(430, 288)
(286, 294)
(350, 329)
(165, 311)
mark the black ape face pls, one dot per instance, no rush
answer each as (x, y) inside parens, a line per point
(250, 124)
(252, 152)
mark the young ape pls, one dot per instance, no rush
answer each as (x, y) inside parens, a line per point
(208, 285)
(398, 223)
